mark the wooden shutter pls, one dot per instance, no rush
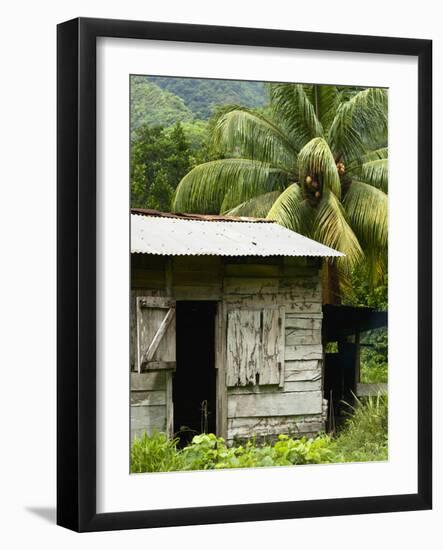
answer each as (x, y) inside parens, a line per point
(155, 334)
(151, 386)
(243, 347)
(255, 345)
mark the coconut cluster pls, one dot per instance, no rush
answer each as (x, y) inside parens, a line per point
(340, 168)
(313, 185)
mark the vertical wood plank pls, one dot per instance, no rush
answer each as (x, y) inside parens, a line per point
(169, 405)
(357, 359)
(220, 365)
(281, 355)
(269, 372)
(138, 328)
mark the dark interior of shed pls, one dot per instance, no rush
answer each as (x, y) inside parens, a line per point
(194, 382)
(344, 325)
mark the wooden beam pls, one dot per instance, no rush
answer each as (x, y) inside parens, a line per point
(275, 404)
(148, 381)
(161, 302)
(159, 335)
(158, 365)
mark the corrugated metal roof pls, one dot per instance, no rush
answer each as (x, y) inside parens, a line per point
(177, 236)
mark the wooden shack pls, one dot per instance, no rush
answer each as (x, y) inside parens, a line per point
(226, 327)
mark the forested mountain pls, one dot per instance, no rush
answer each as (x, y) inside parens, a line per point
(154, 106)
(201, 95)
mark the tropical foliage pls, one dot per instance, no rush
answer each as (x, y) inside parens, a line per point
(160, 157)
(374, 350)
(364, 438)
(316, 162)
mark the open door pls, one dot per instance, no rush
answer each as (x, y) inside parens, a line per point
(155, 362)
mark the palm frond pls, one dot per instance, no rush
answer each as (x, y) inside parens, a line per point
(325, 100)
(359, 121)
(291, 104)
(257, 207)
(292, 210)
(333, 229)
(245, 189)
(376, 263)
(376, 154)
(375, 172)
(368, 156)
(255, 137)
(316, 159)
(367, 211)
(205, 187)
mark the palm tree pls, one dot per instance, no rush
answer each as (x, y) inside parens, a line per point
(317, 164)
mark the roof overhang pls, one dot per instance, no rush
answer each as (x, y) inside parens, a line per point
(177, 236)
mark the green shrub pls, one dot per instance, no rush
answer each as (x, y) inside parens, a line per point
(374, 357)
(208, 452)
(154, 453)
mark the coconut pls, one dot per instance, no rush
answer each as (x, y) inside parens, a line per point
(308, 180)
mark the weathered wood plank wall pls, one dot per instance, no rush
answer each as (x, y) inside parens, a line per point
(294, 405)
(148, 402)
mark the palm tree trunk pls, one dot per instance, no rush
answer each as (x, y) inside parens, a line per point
(330, 283)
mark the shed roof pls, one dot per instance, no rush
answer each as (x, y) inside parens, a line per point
(166, 234)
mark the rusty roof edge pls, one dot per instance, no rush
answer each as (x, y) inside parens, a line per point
(199, 217)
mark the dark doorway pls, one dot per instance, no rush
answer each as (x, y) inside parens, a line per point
(194, 383)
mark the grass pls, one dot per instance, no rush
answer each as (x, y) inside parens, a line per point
(363, 438)
(365, 434)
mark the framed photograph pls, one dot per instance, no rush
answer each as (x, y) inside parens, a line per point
(239, 212)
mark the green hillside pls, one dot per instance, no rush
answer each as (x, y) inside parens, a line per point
(201, 95)
(154, 106)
